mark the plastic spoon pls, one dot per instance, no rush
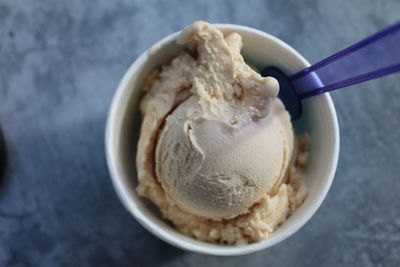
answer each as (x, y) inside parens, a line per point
(371, 58)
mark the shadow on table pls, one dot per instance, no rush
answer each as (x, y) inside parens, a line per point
(118, 240)
(140, 249)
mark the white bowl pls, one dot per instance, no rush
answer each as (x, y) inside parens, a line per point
(123, 125)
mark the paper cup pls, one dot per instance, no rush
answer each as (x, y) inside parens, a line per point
(123, 126)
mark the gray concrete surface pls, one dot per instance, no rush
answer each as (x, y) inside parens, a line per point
(60, 62)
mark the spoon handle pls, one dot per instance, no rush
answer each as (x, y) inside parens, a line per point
(373, 57)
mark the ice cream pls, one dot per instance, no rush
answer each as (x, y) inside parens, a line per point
(217, 153)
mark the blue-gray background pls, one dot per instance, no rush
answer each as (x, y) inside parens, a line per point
(60, 62)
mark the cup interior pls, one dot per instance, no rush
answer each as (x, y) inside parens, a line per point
(123, 127)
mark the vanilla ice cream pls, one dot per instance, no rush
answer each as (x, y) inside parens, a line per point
(217, 152)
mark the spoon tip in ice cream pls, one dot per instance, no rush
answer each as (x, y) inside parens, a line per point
(287, 92)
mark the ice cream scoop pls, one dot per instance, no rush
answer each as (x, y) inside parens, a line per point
(227, 145)
(213, 170)
(371, 58)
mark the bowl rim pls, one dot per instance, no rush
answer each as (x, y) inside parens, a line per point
(112, 133)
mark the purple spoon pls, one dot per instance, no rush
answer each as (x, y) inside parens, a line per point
(371, 58)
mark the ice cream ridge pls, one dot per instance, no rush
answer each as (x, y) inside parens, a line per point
(217, 152)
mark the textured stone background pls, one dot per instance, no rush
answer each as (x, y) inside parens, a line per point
(60, 62)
